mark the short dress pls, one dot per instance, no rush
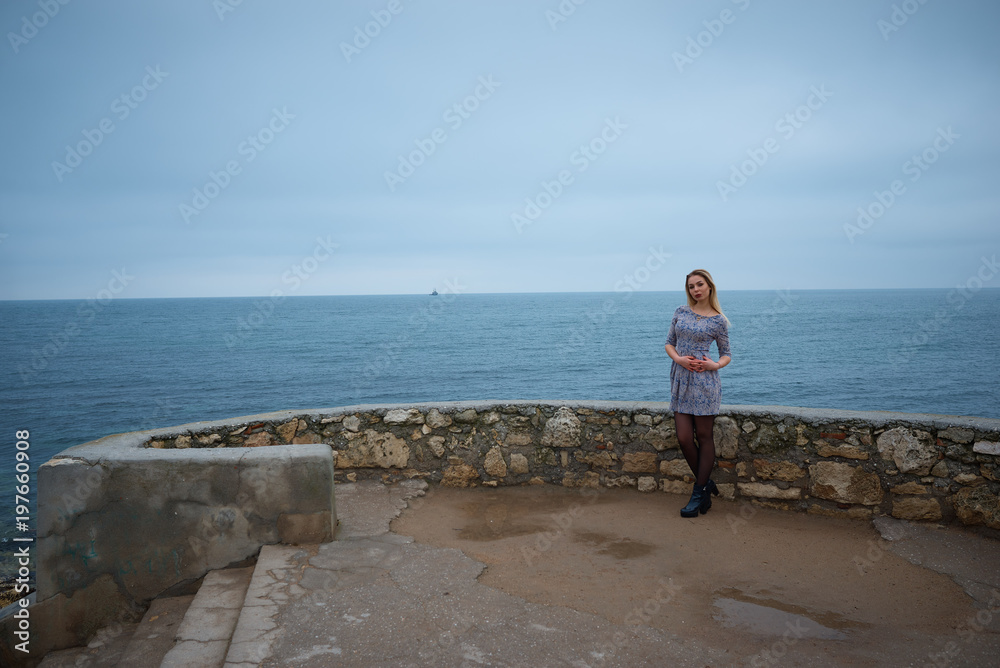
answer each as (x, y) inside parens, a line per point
(696, 393)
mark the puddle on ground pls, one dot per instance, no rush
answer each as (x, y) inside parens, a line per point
(776, 618)
(619, 548)
(495, 521)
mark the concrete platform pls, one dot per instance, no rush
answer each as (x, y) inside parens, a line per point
(615, 589)
(550, 576)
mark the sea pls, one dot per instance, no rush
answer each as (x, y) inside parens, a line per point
(74, 371)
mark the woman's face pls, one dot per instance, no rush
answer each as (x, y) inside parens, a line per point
(698, 287)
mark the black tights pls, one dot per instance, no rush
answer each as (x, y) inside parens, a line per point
(701, 457)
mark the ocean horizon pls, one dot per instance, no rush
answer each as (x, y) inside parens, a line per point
(470, 293)
(77, 370)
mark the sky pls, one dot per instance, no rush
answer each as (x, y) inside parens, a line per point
(200, 148)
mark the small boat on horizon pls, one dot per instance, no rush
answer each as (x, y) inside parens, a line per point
(434, 293)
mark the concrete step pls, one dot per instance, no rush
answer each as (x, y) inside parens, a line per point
(156, 632)
(203, 636)
(105, 650)
(128, 645)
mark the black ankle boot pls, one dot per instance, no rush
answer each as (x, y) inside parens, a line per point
(710, 487)
(697, 503)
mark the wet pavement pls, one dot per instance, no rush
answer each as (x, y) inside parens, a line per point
(740, 586)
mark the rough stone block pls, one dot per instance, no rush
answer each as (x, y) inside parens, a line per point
(662, 437)
(675, 467)
(771, 439)
(601, 459)
(518, 464)
(913, 508)
(518, 438)
(639, 462)
(260, 439)
(647, 484)
(545, 457)
(563, 430)
(620, 481)
(763, 491)
(494, 463)
(787, 471)
(643, 419)
(374, 450)
(957, 434)
(436, 419)
(287, 431)
(845, 451)
(912, 488)
(459, 475)
(727, 490)
(969, 479)
(677, 487)
(588, 479)
(854, 513)
(468, 416)
(912, 451)
(986, 448)
(978, 505)
(403, 416)
(436, 444)
(727, 435)
(837, 481)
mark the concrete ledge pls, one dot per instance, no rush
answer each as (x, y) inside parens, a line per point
(120, 523)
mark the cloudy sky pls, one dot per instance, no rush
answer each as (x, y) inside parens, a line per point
(198, 148)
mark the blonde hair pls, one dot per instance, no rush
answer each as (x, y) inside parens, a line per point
(713, 297)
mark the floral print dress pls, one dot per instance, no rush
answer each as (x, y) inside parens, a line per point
(696, 393)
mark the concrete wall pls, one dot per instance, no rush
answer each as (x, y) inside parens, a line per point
(120, 523)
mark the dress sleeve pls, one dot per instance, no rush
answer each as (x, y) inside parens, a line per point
(672, 334)
(722, 340)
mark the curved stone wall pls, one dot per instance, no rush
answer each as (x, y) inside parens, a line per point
(125, 518)
(837, 463)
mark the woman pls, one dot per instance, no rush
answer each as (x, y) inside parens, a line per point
(695, 389)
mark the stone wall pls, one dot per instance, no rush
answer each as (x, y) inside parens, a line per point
(125, 518)
(836, 463)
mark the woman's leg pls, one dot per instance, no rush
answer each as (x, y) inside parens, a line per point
(685, 436)
(705, 455)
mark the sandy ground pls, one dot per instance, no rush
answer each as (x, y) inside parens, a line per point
(768, 587)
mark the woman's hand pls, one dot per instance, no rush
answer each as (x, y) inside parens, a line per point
(689, 362)
(703, 364)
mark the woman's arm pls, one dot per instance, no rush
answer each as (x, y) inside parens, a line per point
(725, 355)
(675, 356)
(715, 366)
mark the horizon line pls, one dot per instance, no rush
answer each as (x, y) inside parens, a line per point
(456, 294)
